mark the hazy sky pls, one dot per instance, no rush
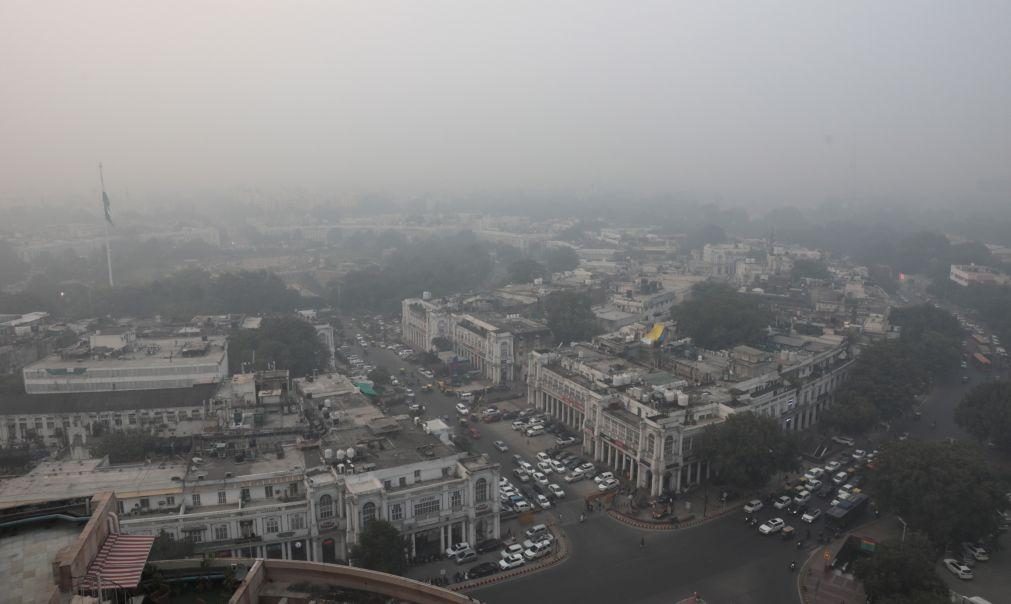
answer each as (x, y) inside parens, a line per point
(792, 102)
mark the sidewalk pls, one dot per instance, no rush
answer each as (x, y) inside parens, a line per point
(818, 584)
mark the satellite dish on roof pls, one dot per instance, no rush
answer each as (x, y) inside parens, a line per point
(351, 452)
(339, 453)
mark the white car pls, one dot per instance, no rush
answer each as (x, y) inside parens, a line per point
(814, 473)
(976, 551)
(844, 440)
(832, 466)
(462, 409)
(599, 478)
(574, 476)
(813, 484)
(511, 561)
(958, 569)
(541, 479)
(519, 425)
(811, 515)
(802, 498)
(782, 502)
(773, 525)
(753, 506)
(523, 506)
(840, 477)
(526, 466)
(501, 446)
(512, 550)
(608, 484)
(544, 502)
(456, 548)
(545, 467)
(859, 454)
(557, 466)
(542, 456)
(537, 550)
(587, 468)
(556, 491)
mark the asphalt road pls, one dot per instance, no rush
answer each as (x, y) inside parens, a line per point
(725, 561)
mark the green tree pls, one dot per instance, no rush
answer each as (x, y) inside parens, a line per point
(916, 321)
(716, 317)
(945, 490)
(570, 316)
(380, 547)
(525, 270)
(379, 376)
(282, 342)
(747, 449)
(985, 412)
(562, 258)
(124, 447)
(850, 415)
(442, 344)
(167, 547)
(804, 268)
(898, 571)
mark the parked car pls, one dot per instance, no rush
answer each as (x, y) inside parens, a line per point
(608, 484)
(803, 497)
(557, 466)
(512, 550)
(536, 531)
(519, 425)
(556, 491)
(843, 440)
(814, 473)
(859, 454)
(488, 545)
(544, 502)
(782, 502)
(537, 550)
(599, 478)
(545, 467)
(523, 506)
(813, 485)
(456, 548)
(541, 478)
(772, 525)
(511, 561)
(501, 446)
(483, 570)
(535, 430)
(811, 515)
(462, 409)
(543, 456)
(467, 555)
(958, 568)
(832, 466)
(574, 476)
(753, 506)
(565, 441)
(521, 475)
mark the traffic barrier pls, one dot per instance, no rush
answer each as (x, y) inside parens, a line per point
(666, 526)
(561, 553)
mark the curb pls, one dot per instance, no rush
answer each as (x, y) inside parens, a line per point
(668, 526)
(560, 555)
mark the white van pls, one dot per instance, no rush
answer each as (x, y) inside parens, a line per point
(535, 430)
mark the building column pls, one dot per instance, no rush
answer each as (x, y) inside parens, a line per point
(413, 545)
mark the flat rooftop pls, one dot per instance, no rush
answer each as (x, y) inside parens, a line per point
(324, 385)
(144, 352)
(395, 444)
(63, 479)
(26, 560)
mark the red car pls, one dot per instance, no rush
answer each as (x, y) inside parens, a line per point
(474, 432)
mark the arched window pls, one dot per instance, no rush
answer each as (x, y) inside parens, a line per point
(326, 506)
(650, 443)
(368, 513)
(668, 447)
(481, 490)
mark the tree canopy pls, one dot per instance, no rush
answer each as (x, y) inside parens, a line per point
(900, 572)
(559, 259)
(525, 270)
(716, 317)
(380, 547)
(985, 412)
(945, 490)
(570, 316)
(747, 449)
(804, 268)
(284, 342)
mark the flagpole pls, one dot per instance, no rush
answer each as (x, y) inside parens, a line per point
(108, 250)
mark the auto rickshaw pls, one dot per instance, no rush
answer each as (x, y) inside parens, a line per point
(788, 532)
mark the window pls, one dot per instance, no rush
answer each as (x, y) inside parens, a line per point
(244, 494)
(196, 536)
(396, 511)
(481, 490)
(445, 472)
(650, 443)
(426, 508)
(293, 489)
(456, 500)
(368, 513)
(221, 532)
(119, 506)
(268, 491)
(387, 484)
(403, 481)
(170, 500)
(222, 497)
(326, 506)
(145, 503)
(196, 500)
(296, 522)
(131, 419)
(270, 525)
(417, 475)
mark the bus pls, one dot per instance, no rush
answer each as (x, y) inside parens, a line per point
(982, 363)
(845, 513)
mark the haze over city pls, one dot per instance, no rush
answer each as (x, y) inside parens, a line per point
(745, 103)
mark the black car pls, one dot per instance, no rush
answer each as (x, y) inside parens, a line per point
(482, 570)
(488, 545)
(506, 415)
